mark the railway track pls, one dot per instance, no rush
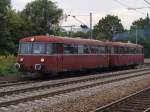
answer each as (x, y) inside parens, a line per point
(35, 92)
(24, 87)
(138, 102)
(17, 82)
(90, 77)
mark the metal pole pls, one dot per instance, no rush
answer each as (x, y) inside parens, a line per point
(136, 35)
(91, 33)
(71, 31)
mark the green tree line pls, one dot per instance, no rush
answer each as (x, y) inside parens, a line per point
(37, 18)
(40, 16)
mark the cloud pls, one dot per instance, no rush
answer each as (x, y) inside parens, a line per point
(126, 16)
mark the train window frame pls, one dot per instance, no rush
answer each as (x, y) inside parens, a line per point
(73, 49)
(87, 49)
(42, 43)
(112, 50)
(80, 49)
(19, 51)
(55, 48)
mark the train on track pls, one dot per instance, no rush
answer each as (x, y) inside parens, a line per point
(52, 54)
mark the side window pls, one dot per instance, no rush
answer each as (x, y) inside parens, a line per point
(116, 50)
(109, 50)
(87, 49)
(93, 49)
(49, 49)
(75, 49)
(54, 48)
(126, 50)
(103, 50)
(142, 51)
(80, 49)
(58, 48)
(112, 50)
(68, 49)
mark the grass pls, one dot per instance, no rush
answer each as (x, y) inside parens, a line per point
(7, 66)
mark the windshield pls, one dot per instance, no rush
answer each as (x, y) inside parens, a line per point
(38, 48)
(35, 48)
(25, 48)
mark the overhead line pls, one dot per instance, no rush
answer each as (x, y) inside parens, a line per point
(126, 6)
(147, 2)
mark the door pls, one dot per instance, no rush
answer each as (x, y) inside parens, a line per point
(59, 56)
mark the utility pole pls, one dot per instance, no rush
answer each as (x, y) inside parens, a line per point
(71, 29)
(136, 34)
(46, 16)
(91, 32)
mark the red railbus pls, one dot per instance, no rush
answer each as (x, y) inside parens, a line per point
(125, 54)
(57, 54)
(52, 54)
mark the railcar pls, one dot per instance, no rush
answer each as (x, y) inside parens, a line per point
(48, 54)
(52, 54)
(125, 54)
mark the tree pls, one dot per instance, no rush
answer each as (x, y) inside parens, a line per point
(81, 34)
(4, 32)
(142, 28)
(42, 14)
(141, 24)
(107, 27)
(17, 27)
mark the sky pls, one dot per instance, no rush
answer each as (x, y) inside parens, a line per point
(99, 8)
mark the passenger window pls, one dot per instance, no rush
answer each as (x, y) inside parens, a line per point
(87, 49)
(49, 49)
(93, 50)
(80, 49)
(112, 50)
(68, 49)
(54, 48)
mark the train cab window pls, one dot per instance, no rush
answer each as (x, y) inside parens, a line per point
(80, 49)
(38, 48)
(25, 48)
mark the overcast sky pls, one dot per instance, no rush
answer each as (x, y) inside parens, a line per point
(99, 8)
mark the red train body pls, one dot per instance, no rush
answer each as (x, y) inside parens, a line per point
(58, 54)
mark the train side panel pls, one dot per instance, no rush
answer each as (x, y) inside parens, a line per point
(126, 59)
(77, 62)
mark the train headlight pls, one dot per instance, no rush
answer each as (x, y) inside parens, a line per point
(21, 59)
(32, 39)
(17, 65)
(42, 60)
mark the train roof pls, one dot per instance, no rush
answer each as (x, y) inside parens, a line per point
(68, 40)
(65, 40)
(121, 44)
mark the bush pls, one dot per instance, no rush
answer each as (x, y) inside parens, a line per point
(7, 65)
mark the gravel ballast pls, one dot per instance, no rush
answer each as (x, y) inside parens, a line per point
(84, 100)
